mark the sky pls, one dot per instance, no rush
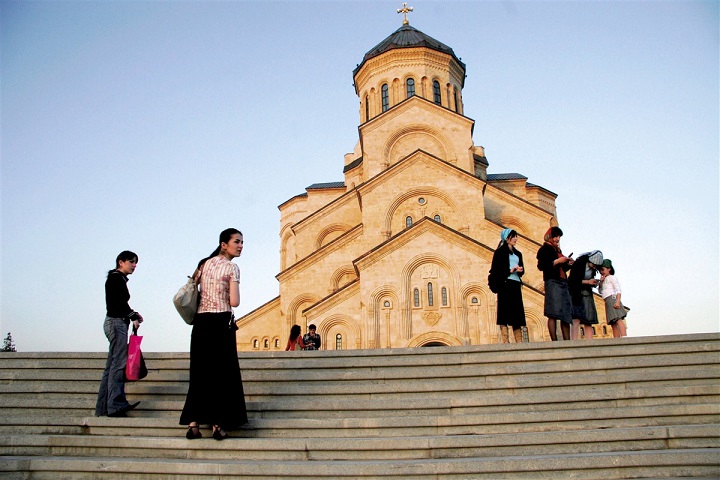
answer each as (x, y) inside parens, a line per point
(152, 126)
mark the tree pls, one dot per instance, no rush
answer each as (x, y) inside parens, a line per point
(8, 345)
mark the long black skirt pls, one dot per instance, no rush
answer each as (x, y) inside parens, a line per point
(215, 395)
(510, 309)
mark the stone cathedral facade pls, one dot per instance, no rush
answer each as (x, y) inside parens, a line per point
(397, 254)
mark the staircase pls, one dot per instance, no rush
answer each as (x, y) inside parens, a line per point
(622, 408)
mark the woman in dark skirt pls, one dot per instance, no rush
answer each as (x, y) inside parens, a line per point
(505, 272)
(554, 266)
(581, 282)
(215, 396)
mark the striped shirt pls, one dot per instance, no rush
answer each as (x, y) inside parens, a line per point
(215, 280)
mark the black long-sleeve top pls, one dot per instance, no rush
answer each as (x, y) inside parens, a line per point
(117, 296)
(545, 257)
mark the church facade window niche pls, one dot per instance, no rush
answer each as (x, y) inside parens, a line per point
(444, 295)
(408, 221)
(431, 298)
(385, 97)
(455, 100)
(416, 298)
(436, 92)
(410, 87)
(437, 219)
(338, 341)
(367, 108)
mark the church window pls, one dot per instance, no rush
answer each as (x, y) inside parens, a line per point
(385, 98)
(437, 218)
(255, 343)
(443, 293)
(455, 98)
(416, 297)
(474, 300)
(386, 304)
(266, 343)
(436, 92)
(431, 301)
(277, 343)
(338, 341)
(421, 201)
(410, 86)
(367, 108)
(604, 330)
(408, 221)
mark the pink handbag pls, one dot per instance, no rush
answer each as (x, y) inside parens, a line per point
(135, 368)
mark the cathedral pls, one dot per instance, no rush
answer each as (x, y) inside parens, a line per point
(397, 254)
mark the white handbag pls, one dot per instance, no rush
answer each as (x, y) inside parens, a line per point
(186, 300)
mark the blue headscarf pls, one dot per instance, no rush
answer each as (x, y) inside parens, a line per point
(505, 234)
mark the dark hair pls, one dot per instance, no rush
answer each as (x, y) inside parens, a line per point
(124, 256)
(225, 237)
(294, 332)
(312, 327)
(612, 270)
(556, 232)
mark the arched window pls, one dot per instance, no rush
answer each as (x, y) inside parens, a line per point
(386, 99)
(255, 343)
(277, 343)
(266, 343)
(455, 99)
(338, 341)
(436, 92)
(367, 108)
(416, 297)
(437, 218)
(430, 294)
(410, 87)
(474, 300)
(408, 222)
(443, 292)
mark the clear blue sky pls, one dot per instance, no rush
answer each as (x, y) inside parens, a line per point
(152, 126)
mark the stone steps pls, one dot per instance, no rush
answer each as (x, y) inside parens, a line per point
(622, 408)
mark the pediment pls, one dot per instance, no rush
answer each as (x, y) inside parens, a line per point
(425, 236)
(415, 108)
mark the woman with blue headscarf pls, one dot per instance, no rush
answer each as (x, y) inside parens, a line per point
(505, 272)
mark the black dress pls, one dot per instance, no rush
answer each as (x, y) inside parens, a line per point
(510, 308)
(215, 395)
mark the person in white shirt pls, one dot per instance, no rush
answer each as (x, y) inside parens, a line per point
(615, 311)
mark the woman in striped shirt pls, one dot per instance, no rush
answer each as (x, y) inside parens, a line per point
(215, 395)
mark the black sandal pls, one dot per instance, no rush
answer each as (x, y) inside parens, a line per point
(218, 433)
(193, 433)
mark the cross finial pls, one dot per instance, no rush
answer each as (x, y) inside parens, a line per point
(405, 10)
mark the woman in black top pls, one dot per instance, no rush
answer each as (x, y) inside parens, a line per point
(554, 266)
(111, 399)
(505, 272)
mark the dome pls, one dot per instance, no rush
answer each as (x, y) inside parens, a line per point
(407, 37)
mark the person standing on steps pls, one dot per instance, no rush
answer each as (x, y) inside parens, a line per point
(111, 399)
(295, 340)
(215, 394)
(581, 282)
(554, 266)
(615, 311)
(506, 269)
(312, 339)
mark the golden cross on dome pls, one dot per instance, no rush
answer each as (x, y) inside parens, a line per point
(405, 10)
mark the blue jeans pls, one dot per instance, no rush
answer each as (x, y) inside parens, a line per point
(111, 397)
